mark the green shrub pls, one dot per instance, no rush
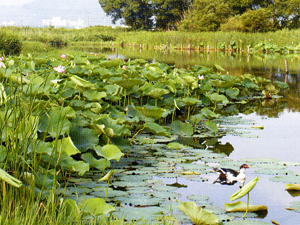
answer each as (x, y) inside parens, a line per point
(10, 44)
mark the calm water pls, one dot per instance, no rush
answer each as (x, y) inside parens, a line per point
(279, 139)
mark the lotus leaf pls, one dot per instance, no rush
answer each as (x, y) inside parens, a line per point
(175, 145)
(292, 187)
(65, 145)
(290, 179)
(244, 190)
(3, 153)
(181, 128)
(96, 206)
(80, 82)
(55, 123)
(109, 152)
(158, 93)
(242, 207)
(211, 126)
(281, 85)
(141, 201)
(274, 171)
(232, 92)
(197, 214)
(165, 195)
(247, 222)
(151, 111)
(215, 97)
(72, 210)
(72, 165)
(295, 206)
(219, 68)
(140, 214)
(129, 83)
(83, 138)
(92, 95)
(209, 114)
(100, 164)
(156, 129)
(110, 63)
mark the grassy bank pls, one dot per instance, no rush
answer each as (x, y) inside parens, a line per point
(279, 41)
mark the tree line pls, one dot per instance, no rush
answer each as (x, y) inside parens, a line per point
(205, 15)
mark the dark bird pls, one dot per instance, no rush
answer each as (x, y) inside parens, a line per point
(230, 176)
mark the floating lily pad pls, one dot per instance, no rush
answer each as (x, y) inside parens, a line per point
(242, 207)
(110, 193)
(246, 222)
(165, 195)
(200, 198)
(260, 160)
(292, 187)
(134, 213)
(295, 206)
(141, 201)
(289, 179)
(274, 171)
(129, 184)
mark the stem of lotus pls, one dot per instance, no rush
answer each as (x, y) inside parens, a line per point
(106, 189)
(247, 206)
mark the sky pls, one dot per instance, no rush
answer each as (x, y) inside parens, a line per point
(14, 2)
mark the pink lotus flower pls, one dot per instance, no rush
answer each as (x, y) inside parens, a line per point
(60, 69)
(201, 77)
(1, 58)
(124, 67)
(63, 56)
(2, 65)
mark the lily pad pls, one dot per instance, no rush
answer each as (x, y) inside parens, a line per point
(242, 207)
(96, 206)
(181, 128)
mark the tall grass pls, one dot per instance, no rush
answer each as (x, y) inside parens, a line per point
(171, 39)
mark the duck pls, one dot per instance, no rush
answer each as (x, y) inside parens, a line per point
(230, 177)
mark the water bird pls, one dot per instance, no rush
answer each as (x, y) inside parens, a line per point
(230, 176)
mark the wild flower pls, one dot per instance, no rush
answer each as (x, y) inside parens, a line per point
(63, 56)
(60, 69)
(1, 58)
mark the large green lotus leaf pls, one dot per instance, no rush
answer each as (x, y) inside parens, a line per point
(190, 101)
(55, 123)
(232, 92)
(244, 190)
(100, 164)
(209, 114)
(197, 214)
(156, 129)
(151, 111)
(129, 184)
(111, 129)
(181, 128)
(92, 95)
(242, 207)
(189, 79)
(96, 206)
(211, 125)
(110, 194)
(109, 152)
(129, 83)
(215, 97)
(83, 138)
(221, 83)
(65, 145)
(80, 82)
(74, 166)
(272, 166)
(158, 93)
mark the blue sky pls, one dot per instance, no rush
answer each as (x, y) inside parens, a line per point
(14, 2)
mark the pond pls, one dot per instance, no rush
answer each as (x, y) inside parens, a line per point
(270, 152)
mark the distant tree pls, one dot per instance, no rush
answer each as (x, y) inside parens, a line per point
(206, 15)
(169, 12)
(136, 13)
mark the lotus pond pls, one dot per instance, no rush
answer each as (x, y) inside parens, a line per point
(135, 137)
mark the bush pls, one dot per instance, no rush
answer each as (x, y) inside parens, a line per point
(10, 44)
(251, 21)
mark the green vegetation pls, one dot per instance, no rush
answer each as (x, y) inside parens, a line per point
(10, 44)
(39, 39)
(63, 116)
(206, 15)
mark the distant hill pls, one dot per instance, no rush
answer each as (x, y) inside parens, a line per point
(33, 14)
